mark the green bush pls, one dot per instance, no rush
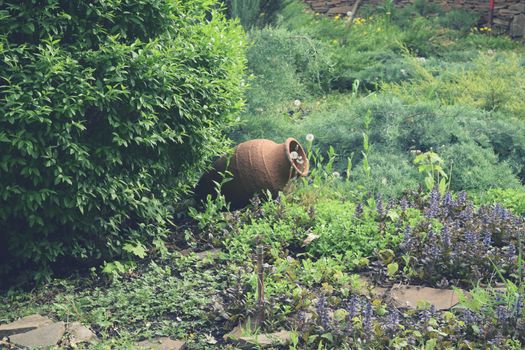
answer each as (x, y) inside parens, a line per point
(476, 168)
(425, 7)
(254, 13)
(511, 198)
(108, 111)
(493, 82)
(286, 66)
(396, 130)
(459, 19)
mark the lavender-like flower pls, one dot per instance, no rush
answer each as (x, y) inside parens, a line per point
(487, 239)
(322, 312)
(461, 199)
(353, 306)
(447, 200)
(407, 238)
(404, 204)
(379, 205)
(511, 251)
(502, 314)
(390, 205)
(391, 321)
(353, 311)
(445, 237)
(433, 248)
(470, 238)
(467, 213)
(358, 210)
(367, 319)
(433, 204)
(517, 306)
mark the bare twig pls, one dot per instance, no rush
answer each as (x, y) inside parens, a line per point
(353, 13)
(259, 318)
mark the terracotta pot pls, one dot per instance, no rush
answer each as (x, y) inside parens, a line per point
(255, 166)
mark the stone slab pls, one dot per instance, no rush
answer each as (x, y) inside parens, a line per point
(43, 336)
(162, 343)
(519, 7)
(341, 10)
(281, 338)
(517, 27)
(411, 296)
(79, 333)
(25, 324)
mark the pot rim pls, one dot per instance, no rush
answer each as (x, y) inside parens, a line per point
(300, 172)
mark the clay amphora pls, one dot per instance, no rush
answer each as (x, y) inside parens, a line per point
(254, 167)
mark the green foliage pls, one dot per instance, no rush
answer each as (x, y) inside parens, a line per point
(459, 19)
(395, 131)
(425, 7)
(245, 10)
(286, 66)
(512, 198)
(477, 168)
(431, 164)
(253, 13)
(174, 297)
(108, 112)
(351, 236)
(492, 82)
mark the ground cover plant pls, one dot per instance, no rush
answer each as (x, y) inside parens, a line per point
(413, 123)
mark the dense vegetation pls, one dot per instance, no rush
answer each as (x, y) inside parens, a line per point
(109, 111)
(413, 122)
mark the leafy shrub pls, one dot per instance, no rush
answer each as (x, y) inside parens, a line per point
(512, 199)
(459, 19)
(286, 66)
(426, 7)
(396, 130)
(253, 13)
(391, 174)
(108, 112)
(420, 37)
(477, 168)
(246, 10)
(506, 136)
(492, 82)
(343, 231)
(369, 42)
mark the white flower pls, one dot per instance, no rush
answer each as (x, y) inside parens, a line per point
(336, 174)
(297, 103)
(421, 59)
(403, 72)
(349, 13)
(310, 137)
(294, 155)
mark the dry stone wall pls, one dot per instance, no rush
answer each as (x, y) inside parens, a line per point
(509, 15)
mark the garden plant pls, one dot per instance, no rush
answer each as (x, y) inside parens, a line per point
(412, 119)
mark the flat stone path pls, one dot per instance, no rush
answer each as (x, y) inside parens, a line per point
(38, 331)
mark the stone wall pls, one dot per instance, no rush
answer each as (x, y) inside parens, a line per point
(509, 15)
